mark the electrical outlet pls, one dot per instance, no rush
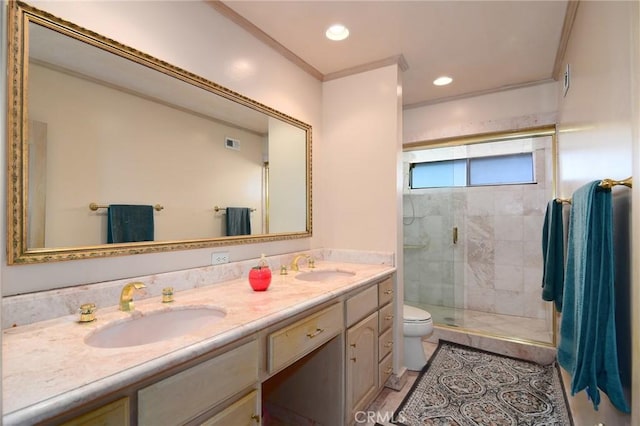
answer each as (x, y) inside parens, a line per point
(219, 257)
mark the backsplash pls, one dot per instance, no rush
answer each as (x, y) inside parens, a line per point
(34, 307)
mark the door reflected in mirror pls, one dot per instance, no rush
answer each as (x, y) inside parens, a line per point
(105, 124)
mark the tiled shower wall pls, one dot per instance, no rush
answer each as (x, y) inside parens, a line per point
(496, 265)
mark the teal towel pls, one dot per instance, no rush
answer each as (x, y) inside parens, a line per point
(553, 255)
(129, 223)
(587, 348)
(238, 221)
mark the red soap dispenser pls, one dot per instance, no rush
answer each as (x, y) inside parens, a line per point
(260, 276)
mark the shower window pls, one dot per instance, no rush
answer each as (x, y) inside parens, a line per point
(478, 171)
(438, 174)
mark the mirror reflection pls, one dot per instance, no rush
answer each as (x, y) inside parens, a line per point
(110, 142)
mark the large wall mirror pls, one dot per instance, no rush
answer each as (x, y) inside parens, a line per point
(94, 126)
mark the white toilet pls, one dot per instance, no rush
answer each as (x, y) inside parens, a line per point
(416, 325)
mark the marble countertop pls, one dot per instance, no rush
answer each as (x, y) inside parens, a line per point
(48, 369)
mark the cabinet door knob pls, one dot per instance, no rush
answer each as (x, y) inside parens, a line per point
(256, 417)
(388, 344)
(353, 359)
(389, 291)
(353, 345)
(388, 317)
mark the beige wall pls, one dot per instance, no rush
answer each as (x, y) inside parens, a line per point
(193, 36)
(359, 197)
(147, 153)
(596, 138)
(506, 110)
(358, 162)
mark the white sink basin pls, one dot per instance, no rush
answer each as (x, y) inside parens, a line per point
(153, 327)
(324, 275)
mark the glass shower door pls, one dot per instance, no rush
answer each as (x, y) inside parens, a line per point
(432, 231)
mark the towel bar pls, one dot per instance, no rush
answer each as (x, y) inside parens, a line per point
(605, 184)
(96, 206)
(610, 183)
(217, 209)
(563, 200)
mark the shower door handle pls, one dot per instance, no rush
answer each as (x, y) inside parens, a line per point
(455, 235)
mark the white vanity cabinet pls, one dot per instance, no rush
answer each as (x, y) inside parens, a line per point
(369, 345)
(320, 362)
(361, 364)
(303, 378)
(188, 394)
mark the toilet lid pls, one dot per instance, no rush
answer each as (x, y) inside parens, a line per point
(414, 314)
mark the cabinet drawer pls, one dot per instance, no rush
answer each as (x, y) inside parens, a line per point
(361, 305)
(385, 368)
(243, 412)
(300, 338)
(385, 291)
(114, 414)
(386, 317)
(385, 344)
(189, 393)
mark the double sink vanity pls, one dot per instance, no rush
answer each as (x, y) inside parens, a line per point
(316, 346)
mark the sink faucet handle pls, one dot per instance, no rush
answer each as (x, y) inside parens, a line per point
(311, 262)
(167, 295)
(87, 312)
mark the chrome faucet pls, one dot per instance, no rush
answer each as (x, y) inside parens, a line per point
(294, 262)
(126, 297)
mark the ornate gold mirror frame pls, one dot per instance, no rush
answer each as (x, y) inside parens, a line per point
(18, 252)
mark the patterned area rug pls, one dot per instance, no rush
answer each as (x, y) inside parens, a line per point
(466, 386)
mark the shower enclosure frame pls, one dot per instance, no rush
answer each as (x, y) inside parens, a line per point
(532, 132)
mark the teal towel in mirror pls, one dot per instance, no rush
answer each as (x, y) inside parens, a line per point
(553, 255)
(129, 223)
(588, 348)
(238, 221)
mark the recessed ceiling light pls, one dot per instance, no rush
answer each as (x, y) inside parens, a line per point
(337, 32)
(442, 81)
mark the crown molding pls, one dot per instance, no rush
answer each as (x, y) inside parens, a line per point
(244, 23)
(392, 60)
(569, 18)
(480, 93)
(247, 25)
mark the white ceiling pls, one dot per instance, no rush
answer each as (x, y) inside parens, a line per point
(483, 45)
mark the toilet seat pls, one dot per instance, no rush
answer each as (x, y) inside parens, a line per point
(415, 315)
